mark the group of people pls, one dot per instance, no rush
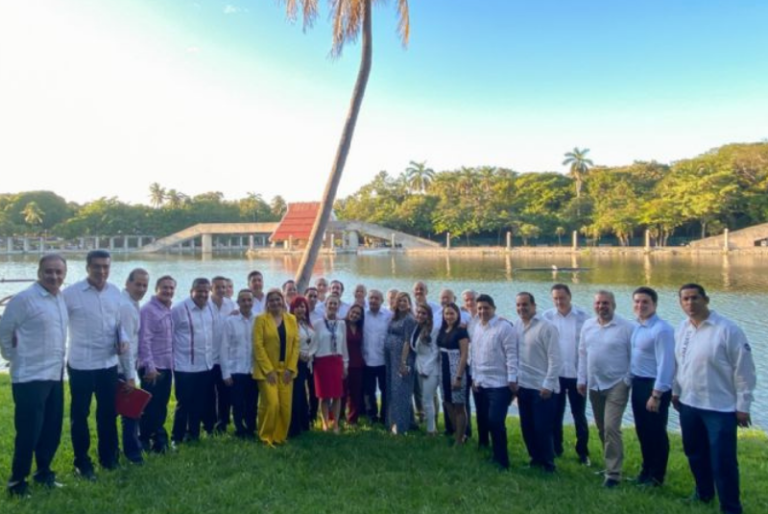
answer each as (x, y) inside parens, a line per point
(269, 362)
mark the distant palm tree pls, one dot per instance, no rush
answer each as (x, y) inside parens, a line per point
(278, 206)
(577, 160)
(419, 176)
(175, 198)
(156, 194)
(33, 214)
(350, 18)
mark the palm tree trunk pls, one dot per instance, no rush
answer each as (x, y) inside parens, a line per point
(329, 195)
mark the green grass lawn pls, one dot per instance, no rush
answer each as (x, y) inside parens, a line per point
(366, 470)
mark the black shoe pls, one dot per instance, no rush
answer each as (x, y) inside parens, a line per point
(136, 461)
(47, 479)
(610, 483)
(111, 465)
(86, 473)
(18, 489)
(696, 498)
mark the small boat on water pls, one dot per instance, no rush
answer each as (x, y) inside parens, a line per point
(552, 268)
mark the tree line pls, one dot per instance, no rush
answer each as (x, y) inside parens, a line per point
(169, 210)
(726, 187)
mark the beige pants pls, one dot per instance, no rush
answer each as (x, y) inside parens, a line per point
(608, 406)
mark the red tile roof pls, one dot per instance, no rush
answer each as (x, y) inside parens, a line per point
(297, 222)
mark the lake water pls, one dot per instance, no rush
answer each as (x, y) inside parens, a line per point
(737, 285)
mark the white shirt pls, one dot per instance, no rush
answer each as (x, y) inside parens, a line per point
(94, 325)
(236, 352)
(653, 352)
(192, 336)
(605, 352)
(427, 354)
(715, 370)
(258, 305)
(33, 335)
(322, 342)
(220, 315)
(494, 353)
(130, 318)
(569, 330)
(374, 335)
(540, 362)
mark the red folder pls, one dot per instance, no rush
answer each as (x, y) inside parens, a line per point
(131, 403)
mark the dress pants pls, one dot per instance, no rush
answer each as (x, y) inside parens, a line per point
(218, 404)
(570, 394)
(651, 428)
(353, 391)
(131, 443)
(243, 395)
(608, 406)
(275, 408)
(492, 405)
(152, 431)
(429, 389)
(537, 419)
(373, 377)
(192, 389)
(300, 405)
(83, 385)
(38, 417)
(709, 442)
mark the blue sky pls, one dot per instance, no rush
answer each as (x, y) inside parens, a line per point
(102, 98)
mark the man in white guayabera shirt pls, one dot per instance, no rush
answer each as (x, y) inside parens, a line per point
(374, 333)
(33, 335)
(713, 390)
(96, 339)
(569, 319)
(192, 320)
(538, 371)
(605, 350)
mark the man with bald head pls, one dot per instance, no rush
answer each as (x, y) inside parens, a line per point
(605, 352)
(374, 374)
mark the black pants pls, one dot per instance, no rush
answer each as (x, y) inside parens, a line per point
(492, 404)
(152, 431)
(218, 404)
(569, 393)
(192, 391)
(373, 377)
(300, 404)
(709, 442)
(244, 395)
(651, 428)
(83, 385)
(38, 417)
(537, 419)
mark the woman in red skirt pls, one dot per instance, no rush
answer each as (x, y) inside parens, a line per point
(330, 360)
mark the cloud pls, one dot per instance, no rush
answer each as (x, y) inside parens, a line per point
(193, 49)
(232, 9)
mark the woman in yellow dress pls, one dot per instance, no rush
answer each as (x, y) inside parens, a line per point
(276, 355)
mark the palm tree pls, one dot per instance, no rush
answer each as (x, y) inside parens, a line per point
(577, 160)
(156, 194)
(419, 176)
(350, 19)
(278, 206)
(33, 214)
(175, 198)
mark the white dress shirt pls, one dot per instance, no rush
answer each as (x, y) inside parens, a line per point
(33, 335)
(540, 362)
(192, 336)
(220, 315)
(259, 305)
(605, 352)
(130, 318)
(494, 353)
(322, 342)
(653, 352)
(427, 354)
(95, 332)
(715, 370)
(374, 336)
(236, 352)
(569, 330)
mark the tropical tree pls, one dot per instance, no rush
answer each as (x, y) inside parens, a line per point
(278, 206)
(33, 214)
(419, 177)
(579, 166)
(350, 19)
(156, 195)
(175, 198)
